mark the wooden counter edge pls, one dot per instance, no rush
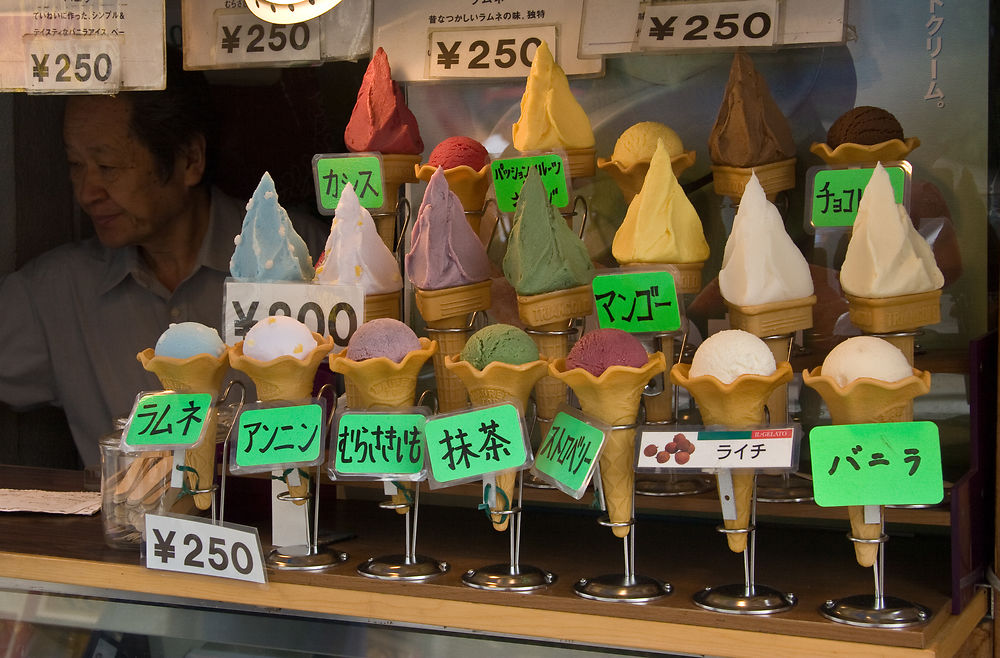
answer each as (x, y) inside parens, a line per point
(571, 627)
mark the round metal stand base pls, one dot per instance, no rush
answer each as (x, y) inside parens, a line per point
(300, 558)
(860, 610)
(681, 485)
(615, 587)
(733, 599)
(395, 567)
(776, 489)
(498, 577)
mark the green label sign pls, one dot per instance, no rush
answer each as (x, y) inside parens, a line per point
(474, 443)
(569, 452)
(274, 436)
(379, 444)
(331, 173)
(637, 301)
(165, 419)
(509, 175)
(876, 464)
(836, 194)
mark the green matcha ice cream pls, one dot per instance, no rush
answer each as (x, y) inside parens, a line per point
(499, 342)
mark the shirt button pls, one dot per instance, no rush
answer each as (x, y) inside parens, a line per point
(175, 313)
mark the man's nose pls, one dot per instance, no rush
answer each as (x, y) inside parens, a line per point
(90, 186)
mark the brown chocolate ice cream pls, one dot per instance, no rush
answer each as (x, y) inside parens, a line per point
(864, 125)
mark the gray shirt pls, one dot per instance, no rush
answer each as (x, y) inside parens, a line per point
(75, 318)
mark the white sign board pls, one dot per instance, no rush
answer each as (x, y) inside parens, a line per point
(490, 37)
(224, 34)
(67, 46)
(193, 545)
(717, 449)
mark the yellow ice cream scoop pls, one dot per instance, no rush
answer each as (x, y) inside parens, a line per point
(551, 117)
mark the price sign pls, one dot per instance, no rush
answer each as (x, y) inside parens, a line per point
(637, 301)
(836, 193)
(708, 25)
(166, 419)
(509, 174)
(333, 171)
(775, 447)
(284, 435)
(876, 464)
(567, 457)
(379, 444)
(501, 52)
(328, 309)
(243, 38)
(468, 445)
(192, 545)
(78, 64)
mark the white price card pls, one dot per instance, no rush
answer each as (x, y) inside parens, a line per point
(242, 38)
(193, 545)
(772, 447)
(501, 52)
(686, 25)
(77, 64)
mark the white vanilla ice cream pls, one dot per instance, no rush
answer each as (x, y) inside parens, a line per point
(865, 356)
(729, 354)
(278, 335)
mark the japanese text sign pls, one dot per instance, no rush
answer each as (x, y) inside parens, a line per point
(509, 175)
(329, 309)
(637, 301)
(876, 464)
(379, 444)
(332, 172)
(167, 420)
(271, 436)
(836, 193)
(567, 457)
(467, 445)
(708, 24)
(773, 447)
(490, 52)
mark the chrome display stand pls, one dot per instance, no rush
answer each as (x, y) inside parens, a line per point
(512, 576)
(408, 566)
(878, 610)
(626, 587)
(747, 598)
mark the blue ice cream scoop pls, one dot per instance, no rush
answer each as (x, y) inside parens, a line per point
(187, 339)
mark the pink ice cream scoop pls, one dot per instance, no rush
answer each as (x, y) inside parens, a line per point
(457, 151)
(382, 337)
(598, 350)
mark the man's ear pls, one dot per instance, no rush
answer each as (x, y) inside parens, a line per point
(191, 160)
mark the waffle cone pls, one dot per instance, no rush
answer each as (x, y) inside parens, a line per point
(498, 383)
(773, 319)
(581, 162)
(901, 313)
(850, 153)
(198, 374)
(868, 400)
(284, 378)
(630, 177)
(613, 398)
(405, 491)
(736, 405)
(774, 177)
(385, 305)
(468, 184)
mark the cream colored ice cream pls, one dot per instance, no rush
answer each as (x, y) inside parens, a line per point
(761, 264)
(866, 356)
(886, 256)
(732, 353)
(638, 143)
(551, 117)
(661, 225)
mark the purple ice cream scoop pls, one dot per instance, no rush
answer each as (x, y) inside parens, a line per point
(382, 337)
(598, 350)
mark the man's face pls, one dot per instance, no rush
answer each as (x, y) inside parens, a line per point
(114, 176)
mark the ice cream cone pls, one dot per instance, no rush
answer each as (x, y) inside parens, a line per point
(382, 382)
(385, 305)
(397, 169)
(498, 383)
(470, 185)
(581, 162)
(198, 374)
(866, 400)
(738, 404)
(849, 153)
(284, 378)
(613, 398)
(630, 177)
(774, 177)
(448, 309)
(902, 313)
(550, 312)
